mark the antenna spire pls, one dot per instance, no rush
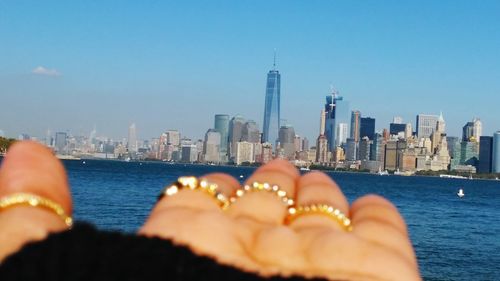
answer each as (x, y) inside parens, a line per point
(274, 61)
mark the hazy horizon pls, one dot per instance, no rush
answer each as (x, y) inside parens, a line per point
(72, 65)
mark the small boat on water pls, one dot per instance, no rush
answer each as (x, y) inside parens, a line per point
(451, 176)
(460, 193)
(382, 173)
(305, 169)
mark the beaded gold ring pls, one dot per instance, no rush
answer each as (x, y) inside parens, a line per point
(258, 186)
(195, 184)
(320, 209)
(32, 200)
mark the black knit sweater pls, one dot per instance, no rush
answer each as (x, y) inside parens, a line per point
(85, 253)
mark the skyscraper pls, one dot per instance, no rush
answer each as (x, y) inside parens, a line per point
(367, 128)
(60, 142)
(211, 146)
(250, 132)
(287, 141)
(235, 133)
(132, 138)
(472, 130)
(337, 112)
(485, 155)
(355, 125)
(426, 124)
(221, 125)
(271, 126)
(496, 153)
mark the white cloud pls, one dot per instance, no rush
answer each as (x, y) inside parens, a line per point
(40, 70)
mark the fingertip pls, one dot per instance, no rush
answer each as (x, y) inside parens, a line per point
(30, 167)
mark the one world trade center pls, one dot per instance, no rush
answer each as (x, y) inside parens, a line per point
(272, 107)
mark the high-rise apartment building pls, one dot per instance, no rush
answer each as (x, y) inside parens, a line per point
(244, 153)
(426, 124)
(221, 125)
(61, 142)
(485, 155)
(271, 124)
(496, 153)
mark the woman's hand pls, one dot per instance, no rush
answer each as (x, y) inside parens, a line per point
(250, 235)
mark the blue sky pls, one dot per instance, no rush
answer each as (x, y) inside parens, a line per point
(70, 65)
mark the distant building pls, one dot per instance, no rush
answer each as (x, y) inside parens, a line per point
(305, 144)
(355, 125)
(250, 132)
(272, 117)
(367, 128)
(244, 153)
(393, 154)
(132, 138)
(322, 149)
(351, 150)
(426, 124)
(221, 125)
(342, 133)
(211, 146)
(189, 153)
(61, 142)
(397, 120)
(496, 153)
(337, 112)
(472, 131)
(469, 153)
(377, 148)
(485, 155)
(395, 128)
(287, 141)
(235, 133)
(364, 149)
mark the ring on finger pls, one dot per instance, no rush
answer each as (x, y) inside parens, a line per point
(195, 184)
(320, 209)
(266, 187)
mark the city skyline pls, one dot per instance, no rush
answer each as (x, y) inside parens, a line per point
(153, 64)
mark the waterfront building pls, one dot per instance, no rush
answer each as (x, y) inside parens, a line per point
(132, 138)
(377, 148)
(367, 128)
(355, 125)
(351, 150)
(272, 119)
(250, 132)
(235, 133)
(469, 153)
(287, 141)
(61, 142)
(211, 146)
(297, 143)
(266, 154)
(244, 153)
(221, 125)
(485, 155)
(338, 155)
(472, 131)
(426, 124)
(189, 153)
(364, 149)
(393, 151)
(496, 153)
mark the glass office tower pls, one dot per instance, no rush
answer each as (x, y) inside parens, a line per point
(496, 153)
(222, 126)
(271, 126)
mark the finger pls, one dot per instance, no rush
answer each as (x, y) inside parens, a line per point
(265, 206)
(318, 188)
(194, 219)
(29, 167)
(375, 219)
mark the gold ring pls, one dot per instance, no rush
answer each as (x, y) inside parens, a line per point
(320, 209)
(195, 184)
(258, 186)
(28, 199)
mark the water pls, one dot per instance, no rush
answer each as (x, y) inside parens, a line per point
(455, 239)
